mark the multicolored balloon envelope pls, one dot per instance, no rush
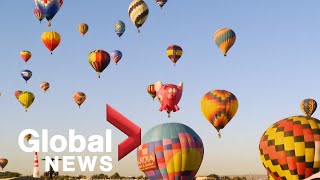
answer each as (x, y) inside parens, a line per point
(25, 55)
(79, 98)
(51, 40)
(99, 60)
(138, 13)
(224, 39)
(219, 107)
(44, 86)
(26, 99)
(38, 14)
(49, 8)
(119, 28)
(290, 148)
(174, 52)
(3, 163)
(151, 91)
(83, 28)
(116, 56)
(308, 106)
(170, 151)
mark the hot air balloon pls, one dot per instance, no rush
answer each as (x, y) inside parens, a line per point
(224, 39)
(83, 28)
(174, 52)
(169, 96)
(49, 8)
(3, 163)
(51, 40)
(44, 86)
(161, 3)
(290, 148)
(119, 28)
(38, 14)
(27, 137)
(17, 93)
(219, 107)
(170, 151)
(26, 75)
(138, 13)
(151, 90)
(79, 98)
(99, 60)
(26, 98)
(308, 106)
(25, 55)
(116, 56)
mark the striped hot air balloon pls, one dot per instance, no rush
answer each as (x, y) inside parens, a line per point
(151, 91)
(25, 55)
(224, 39)
(161, 3)
(170, 151)
(99, 60)
(116, 56)
(79, 98)
(83, 28)
(308, 106)
(44, 86)
(119, 28)
(51, 40)
(290, 148)
(219, 107)
(174, 52)
(26, 99)
(138, 13)
(38, 14)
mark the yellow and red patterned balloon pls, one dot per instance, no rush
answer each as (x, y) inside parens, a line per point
(151, 91)
(79, 98)
(83, 28)
(308, 106)
(99, 60)
(25, 55)
(219, 107)
(51, 40)
(290, 148)
(174, 52)
(224, 39)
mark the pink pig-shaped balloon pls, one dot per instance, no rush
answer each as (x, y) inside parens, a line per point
(169, 96)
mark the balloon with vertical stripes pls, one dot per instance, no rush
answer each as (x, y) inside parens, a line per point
(224, 39)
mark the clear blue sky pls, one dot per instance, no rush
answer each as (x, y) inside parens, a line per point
(271, 68)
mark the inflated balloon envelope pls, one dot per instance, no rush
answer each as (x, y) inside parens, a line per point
(290, 148)
(170, 151)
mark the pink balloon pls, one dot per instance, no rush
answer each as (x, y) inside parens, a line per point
(169, 96)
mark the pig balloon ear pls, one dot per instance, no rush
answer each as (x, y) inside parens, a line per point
(180, 85)
(157, 85)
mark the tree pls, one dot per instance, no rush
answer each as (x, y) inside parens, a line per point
(115, 176)
(214, 175)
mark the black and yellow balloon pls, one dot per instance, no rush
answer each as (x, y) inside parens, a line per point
(138, 13)
(26, 99)
(224, 39)
(308, 106)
